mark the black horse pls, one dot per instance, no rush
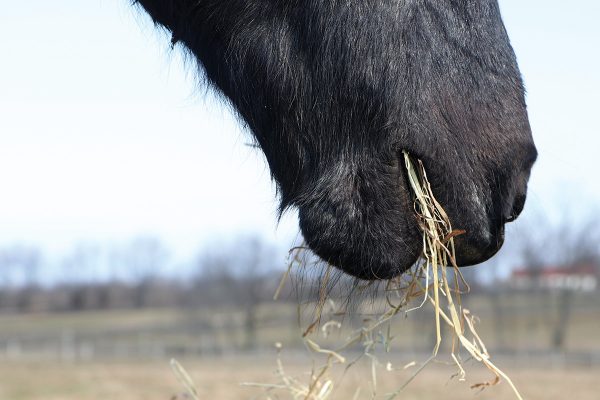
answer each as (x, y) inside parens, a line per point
(334, 90)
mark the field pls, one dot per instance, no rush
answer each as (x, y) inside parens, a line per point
(124, 354)
(220, 378)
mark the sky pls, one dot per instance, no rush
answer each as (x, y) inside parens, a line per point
(106, 134)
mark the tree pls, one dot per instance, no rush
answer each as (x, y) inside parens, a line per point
(19, 266)
(82, 266)
(568, 243)
(580, 247)
(240, 274)
(144, 258)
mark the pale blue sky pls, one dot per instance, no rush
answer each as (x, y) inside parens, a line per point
(105, 134)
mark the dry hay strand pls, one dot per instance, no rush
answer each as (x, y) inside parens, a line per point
(429, 282)
(439, 253)
(184, 379)
(319, 385)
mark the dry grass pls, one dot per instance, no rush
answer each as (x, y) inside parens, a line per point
(217, 379)
(335, 370)
(429, 282)
(438, 252)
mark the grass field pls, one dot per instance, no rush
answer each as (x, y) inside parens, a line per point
(124, 354)
(219, 379)
(527, 324)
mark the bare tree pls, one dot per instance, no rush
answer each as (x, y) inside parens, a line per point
(19, 266)
(81, 267)
(240, 274)
(567, 244)
(144, 258)
(580, 247)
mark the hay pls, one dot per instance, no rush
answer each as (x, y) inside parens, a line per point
(438, 250)
(428, 283)
(184, 379)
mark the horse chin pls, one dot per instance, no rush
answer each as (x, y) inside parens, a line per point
(362, 220)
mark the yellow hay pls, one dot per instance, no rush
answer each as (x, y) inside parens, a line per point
(428, 283)
(439, 251)
(184, 378)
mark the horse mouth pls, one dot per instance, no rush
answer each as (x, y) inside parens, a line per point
(365, 221)
(472, 244)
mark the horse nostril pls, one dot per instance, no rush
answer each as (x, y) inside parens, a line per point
(517, 207)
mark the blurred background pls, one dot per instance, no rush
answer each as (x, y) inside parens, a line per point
(137, 224)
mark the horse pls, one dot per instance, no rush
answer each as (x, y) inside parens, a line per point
(334, 91)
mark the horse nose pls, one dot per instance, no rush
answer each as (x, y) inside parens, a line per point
(517, 208)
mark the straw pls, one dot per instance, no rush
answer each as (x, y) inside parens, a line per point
(428, 282)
